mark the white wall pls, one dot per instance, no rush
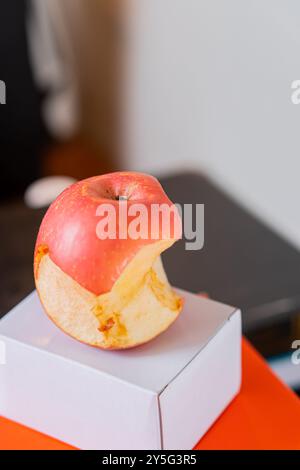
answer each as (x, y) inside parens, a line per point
(209, 86)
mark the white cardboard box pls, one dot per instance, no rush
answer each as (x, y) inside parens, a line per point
(162, 395)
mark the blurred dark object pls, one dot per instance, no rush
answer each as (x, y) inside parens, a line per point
(19, 227)
(77, 158)
(275, 338)
(243, 262)
(22, 132)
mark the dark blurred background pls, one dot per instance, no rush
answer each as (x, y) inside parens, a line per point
(22, 130)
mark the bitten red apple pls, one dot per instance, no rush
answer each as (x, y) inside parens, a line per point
(111, 293)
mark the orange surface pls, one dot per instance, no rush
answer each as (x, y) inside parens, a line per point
(265, 415)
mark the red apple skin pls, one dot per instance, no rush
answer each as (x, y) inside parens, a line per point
(68, 230)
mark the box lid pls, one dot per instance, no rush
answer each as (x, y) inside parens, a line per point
(151, 366)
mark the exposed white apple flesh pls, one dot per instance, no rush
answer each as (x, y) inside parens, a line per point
(140, 305)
